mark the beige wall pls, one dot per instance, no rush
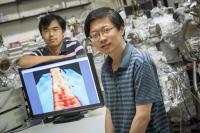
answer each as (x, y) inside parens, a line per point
(27, 28)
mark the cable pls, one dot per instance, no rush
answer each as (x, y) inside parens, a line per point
(186, 88)
(194, 75)
(196, 98)
(179, 82)
(180, 119)
(183, 97)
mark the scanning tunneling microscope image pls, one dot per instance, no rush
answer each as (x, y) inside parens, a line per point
(62, 95)
(61, 89)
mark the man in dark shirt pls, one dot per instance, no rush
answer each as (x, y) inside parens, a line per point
(133, 97)
(52, 29)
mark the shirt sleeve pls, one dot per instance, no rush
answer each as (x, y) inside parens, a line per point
(79, 49)
(35, 53)
(38, 52)
(147, 88)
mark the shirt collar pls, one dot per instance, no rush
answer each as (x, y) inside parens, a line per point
(48, 52)
(125, 59)
(63, 47)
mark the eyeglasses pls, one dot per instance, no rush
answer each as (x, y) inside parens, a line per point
(52, 30)
(94, 37)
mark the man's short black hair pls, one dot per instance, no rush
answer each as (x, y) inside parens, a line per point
(47, 19)
(103, 12)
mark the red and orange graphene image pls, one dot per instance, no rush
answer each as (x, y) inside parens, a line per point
(63, 97)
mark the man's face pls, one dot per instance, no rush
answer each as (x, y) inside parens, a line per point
(53, 35)
(105, 36)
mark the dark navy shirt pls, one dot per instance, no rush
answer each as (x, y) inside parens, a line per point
(69, 48)
(134, 83)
